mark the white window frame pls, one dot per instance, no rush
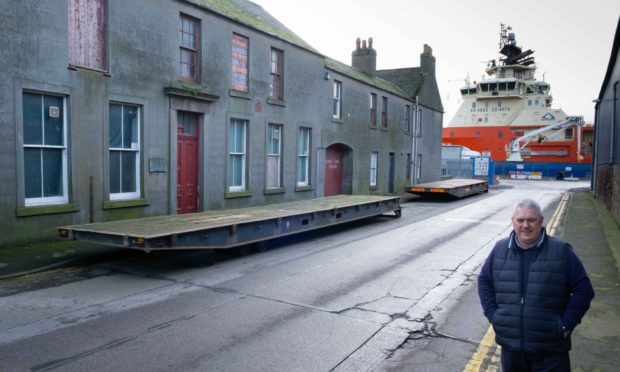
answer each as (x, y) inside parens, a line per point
(135, 148)
(303, 156)
(233, 154)
(374, 158)
(50, 200)
(418, 168)
(274, 130)
(337, 109)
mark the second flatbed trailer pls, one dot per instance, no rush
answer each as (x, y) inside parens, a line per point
(232, 227)
(458, 187)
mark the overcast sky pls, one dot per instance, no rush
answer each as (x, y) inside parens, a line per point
(572, 39)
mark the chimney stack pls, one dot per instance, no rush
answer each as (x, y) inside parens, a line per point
(364, 57)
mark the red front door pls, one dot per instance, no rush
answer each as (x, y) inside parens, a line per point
(187, 162)
(333, 170)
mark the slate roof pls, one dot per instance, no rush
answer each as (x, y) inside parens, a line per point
(353, 73)
(254, 16)
(407, 85)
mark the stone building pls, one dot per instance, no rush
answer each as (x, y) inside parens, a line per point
(115, 109)
(606, 167)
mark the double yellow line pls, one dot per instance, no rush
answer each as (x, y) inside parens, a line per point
(487, 343)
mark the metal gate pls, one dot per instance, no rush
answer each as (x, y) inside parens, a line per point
(457, 168)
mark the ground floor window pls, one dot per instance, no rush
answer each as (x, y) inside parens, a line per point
(374, 156)
(274, 157)
(45, 149)
(237, 155)
(303, 157)
(124, 151)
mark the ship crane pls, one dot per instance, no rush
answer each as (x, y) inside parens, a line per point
(514, 147)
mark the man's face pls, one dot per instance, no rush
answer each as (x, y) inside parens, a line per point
(527, 225)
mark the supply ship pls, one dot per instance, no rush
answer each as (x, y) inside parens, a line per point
(510, 105)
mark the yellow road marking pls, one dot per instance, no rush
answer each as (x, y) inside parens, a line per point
(481, 353)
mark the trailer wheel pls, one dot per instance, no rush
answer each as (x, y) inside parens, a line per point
(398, 213)
(243, 250)
(261, 246)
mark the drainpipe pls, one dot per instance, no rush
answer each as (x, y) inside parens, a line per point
(414, 143)
(593, 181)
(613, 125)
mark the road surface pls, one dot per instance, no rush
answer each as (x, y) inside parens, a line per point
(383, 294)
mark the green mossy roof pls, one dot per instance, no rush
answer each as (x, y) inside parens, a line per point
(253, 15)
(353, 73)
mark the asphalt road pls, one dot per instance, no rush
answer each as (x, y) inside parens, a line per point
(382, 294)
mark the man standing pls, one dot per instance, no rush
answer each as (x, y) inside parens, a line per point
(534, 291)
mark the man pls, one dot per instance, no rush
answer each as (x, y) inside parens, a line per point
(534, 291)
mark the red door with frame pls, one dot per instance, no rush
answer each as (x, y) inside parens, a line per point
(333, 170)
(187, 162)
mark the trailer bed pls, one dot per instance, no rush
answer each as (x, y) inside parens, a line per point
(232, 227)
(455, 187)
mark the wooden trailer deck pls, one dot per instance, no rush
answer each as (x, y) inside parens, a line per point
(232, 227)
(459, 187)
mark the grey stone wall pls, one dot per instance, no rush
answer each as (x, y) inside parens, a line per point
(143, 58)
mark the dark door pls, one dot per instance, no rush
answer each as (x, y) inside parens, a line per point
(187, 163)
(391, 172)
(333, 170)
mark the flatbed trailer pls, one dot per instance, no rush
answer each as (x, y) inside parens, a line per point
(232, 227)
(456, 187)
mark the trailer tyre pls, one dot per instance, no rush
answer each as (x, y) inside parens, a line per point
(261, 246)
(398, 213)
(243, 250)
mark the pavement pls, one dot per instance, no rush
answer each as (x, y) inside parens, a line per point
(585, 224)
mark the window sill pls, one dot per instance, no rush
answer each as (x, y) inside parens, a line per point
(238, 194)
(240, 94)
(304, 188)
(275, 190)
(372, 188)
(114, 204)
(76, 68)
(276, 102)
(189, 90)
(337, 120)
(44, 209)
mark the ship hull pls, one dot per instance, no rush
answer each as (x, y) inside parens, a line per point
(494, 140)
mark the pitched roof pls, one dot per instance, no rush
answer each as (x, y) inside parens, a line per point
(353, 73)
(254, 16)
(409, 79)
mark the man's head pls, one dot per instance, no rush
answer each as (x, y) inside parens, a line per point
(527, 221)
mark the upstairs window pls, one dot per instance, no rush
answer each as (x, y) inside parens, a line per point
(407, 119)
(384, 112)
(277, 74)
(88, 31)
(337, 109)
(373, 110)
(189, 28)
(240, 69)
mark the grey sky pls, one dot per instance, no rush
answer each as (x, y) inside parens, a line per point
(571, 39)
